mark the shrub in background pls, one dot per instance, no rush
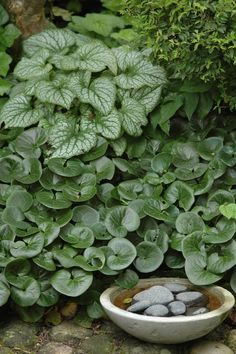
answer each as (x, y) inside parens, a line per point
(193, 39)
(8, 34)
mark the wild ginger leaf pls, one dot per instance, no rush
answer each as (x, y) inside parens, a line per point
(17, 112)
(55, 40)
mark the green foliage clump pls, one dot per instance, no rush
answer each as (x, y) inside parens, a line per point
(91, 192)
(109, 26)
(8, 34)
(194, 39)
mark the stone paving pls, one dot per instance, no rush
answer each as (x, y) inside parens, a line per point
(17, 337)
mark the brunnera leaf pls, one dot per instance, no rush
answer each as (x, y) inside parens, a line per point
(17, 112)
(55, 40)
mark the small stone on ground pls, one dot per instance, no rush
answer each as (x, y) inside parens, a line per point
(5, 350)
(67, 331)
(210, 347)
(56, 348)
(231, 340)
(18, 334)
(98, 344)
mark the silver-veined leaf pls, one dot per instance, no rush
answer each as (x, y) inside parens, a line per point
(29, 68)
(17, 112)
(55, 92)
(92, 56)
(138, 72)
(55, 40)
(109, 126)
(76, 145)
(133, 116)
(101, 95)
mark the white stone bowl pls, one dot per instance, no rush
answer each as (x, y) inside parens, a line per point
(167, 330)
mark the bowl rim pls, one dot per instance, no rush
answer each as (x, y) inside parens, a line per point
(228, 303)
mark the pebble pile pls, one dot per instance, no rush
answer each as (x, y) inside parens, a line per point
(169, 300)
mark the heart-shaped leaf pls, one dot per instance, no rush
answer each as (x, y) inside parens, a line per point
(85, 215)
(188, 222)
(72, 283)
(180, 191)
(28, 143)
(30, 247)
(149, 257)
(66, 168)
(16, 271)
(55, 40)
(209, 147)
(29, 171)
(195, 268)
(193, 244)
(161, 162)
(225, 259)
(104, 168)
(121, 220)
(29, 68)
(50, 231)
(9, 167)
(186, 174)
(100, 94)
(45, 260)
(128, 279)
(17, 112)
(54, 201)
(48, 295)
(55, 92)
(123, 254)
(133, 116)
(13, 216)
(228, 210)
(95, 257)
(28, 294)
(223, 231)
(78, 236)
(185, 155)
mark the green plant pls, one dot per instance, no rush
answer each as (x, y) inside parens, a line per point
(8, 34)
(194, 39)
(55, 228)
(91, 192)
(108, 25)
